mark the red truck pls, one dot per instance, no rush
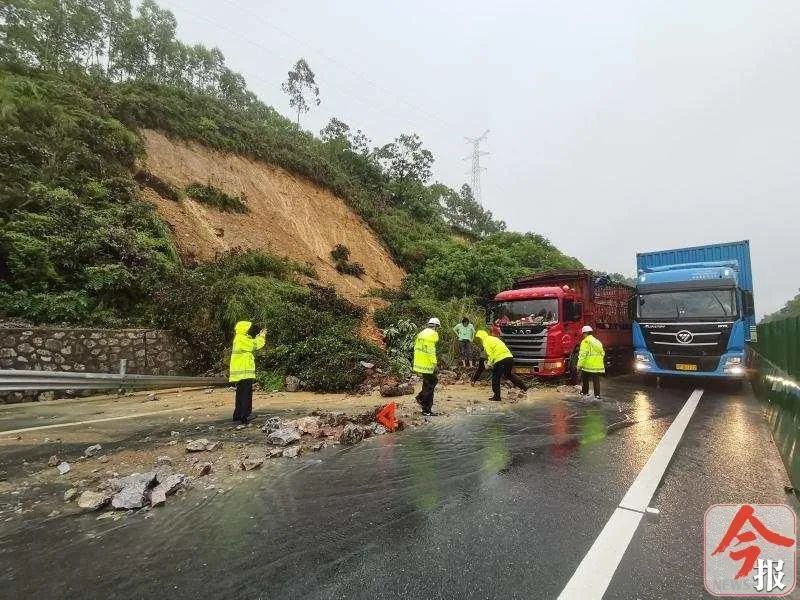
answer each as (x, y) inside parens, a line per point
(540, 320)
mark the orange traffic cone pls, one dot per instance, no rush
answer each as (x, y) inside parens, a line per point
(386, 416)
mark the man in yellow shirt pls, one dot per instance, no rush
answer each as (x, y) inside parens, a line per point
(243, 367)
(500, 359)
(591, 362)
(426, 363)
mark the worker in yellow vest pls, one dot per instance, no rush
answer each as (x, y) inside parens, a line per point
(591, 362)
(425, 364)
(500, 359)
(243, 366)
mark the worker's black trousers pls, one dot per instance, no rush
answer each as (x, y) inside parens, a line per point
(594, 378)
(505, 368)
(244, 400)
(425, 396)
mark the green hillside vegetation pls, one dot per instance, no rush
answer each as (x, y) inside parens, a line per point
(78, 245)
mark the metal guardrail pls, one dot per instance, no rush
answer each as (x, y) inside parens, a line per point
(12, 380)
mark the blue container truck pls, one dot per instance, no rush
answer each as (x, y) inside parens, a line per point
(694, 311)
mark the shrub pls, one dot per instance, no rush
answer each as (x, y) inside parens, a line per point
(159, 186)
(328, 362)
(341, 260)
(212, 196)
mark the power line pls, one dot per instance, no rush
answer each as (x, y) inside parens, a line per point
(476, 164)
(342, 65)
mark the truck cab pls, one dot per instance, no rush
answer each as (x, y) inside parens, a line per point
(692, 319)
(539, 325)
(540, 320)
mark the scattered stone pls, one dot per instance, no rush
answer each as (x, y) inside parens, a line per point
(172, 443)
(400, 389)
(175, 433)
(53, 462)
(292, 383)
(250, 463)
(151, 398)
(275, 452)
(198, 445)
(92, 450)
(318, 446)
(103, 458)
(168, 486)
(213, 446)
(63, 468)
(291, 452)
(93, 500)
(241, 426)
(283, 436)
(332, 419)
(202, 468)
(305, 425)
(363, 389)
(132, 490)
(164, 460)
(272, 424)
(378, 429)
(70, 494)
(351, 434)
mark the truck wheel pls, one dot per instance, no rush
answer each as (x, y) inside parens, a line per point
(572, 368)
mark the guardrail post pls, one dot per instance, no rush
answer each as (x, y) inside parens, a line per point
(123, 366)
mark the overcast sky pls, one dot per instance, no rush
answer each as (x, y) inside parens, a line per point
(615, 127)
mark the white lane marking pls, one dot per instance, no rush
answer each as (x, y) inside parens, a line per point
(104, 420)
(593, 575)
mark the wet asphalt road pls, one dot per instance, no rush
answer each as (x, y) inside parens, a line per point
(501, 505)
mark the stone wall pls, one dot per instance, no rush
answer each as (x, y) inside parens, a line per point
(147, 351)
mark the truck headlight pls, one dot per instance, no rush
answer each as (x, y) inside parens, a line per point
(733, 366)
(641, 362)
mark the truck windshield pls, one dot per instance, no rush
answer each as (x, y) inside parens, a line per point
(526, 312)
(696, 304)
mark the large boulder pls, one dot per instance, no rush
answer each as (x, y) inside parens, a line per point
(283, 436)
(132, 490)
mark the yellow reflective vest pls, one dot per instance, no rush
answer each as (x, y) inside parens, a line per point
(243, 363)
(425, 351)
(494, 348)
(591, 355)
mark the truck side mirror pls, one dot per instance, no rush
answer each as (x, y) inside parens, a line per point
(578, 312)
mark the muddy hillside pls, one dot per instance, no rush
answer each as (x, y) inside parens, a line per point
(287, 215)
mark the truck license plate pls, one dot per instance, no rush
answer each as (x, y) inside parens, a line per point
(685, 367)
(523, 370)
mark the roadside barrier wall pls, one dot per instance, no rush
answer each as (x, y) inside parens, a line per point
(779, 341)
(146, 352)
(780, 393)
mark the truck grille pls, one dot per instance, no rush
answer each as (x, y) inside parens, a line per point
(697, 343)
(527, 344)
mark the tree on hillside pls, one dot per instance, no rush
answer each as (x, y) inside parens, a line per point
(405, 158)
(339, 132)
(300, 84)
(463, 212)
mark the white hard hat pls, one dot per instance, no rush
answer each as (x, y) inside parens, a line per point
(586, 329)
(434, 321)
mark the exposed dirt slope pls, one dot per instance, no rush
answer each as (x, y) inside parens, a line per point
(288, 215)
